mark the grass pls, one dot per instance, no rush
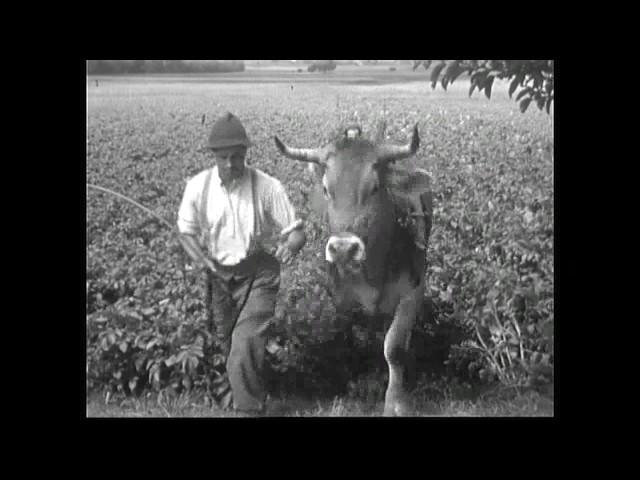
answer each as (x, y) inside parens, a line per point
(523, 404)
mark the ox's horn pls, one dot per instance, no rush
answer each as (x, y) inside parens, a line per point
(391, 153)
(302, 154)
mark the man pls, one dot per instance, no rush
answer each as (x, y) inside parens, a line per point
(227, 215)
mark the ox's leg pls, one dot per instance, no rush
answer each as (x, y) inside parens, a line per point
(396, 350)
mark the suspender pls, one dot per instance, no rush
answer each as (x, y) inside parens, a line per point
(256, 205)
(204, 224)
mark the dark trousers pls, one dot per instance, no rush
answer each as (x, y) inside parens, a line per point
(243, 302)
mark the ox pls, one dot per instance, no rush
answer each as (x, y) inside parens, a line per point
(376, 256)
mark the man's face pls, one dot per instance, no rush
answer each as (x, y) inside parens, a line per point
(230, 162)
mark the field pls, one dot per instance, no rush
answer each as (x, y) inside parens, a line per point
(490, 274)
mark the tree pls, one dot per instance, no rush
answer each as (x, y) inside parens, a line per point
(533, 78)
(322, 65)
(137, 66)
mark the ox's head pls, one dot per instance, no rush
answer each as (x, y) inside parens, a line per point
(353, 174)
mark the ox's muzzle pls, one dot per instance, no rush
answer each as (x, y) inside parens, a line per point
(345, 248)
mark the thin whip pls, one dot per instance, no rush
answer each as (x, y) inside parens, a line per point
(123, 197)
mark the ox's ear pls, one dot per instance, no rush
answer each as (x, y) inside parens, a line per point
(317, 170)
(410, 183)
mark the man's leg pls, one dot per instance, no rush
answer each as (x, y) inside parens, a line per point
(221, 316)
(245, 364)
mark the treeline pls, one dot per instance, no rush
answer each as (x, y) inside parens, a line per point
(163, 66)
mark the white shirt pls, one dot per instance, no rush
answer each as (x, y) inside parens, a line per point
(230, 215)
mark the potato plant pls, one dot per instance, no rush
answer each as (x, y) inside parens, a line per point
(490, 257)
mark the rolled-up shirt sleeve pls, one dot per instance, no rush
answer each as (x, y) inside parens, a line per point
(188, 212)
(279, 206)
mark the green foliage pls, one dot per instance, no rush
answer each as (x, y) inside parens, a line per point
(490, 257)
(534, 78)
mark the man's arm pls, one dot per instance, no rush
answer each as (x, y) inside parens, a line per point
(192, 247)
(189, 228)
(292, 238)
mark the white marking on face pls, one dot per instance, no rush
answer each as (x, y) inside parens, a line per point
(339, 246)
(352, 133)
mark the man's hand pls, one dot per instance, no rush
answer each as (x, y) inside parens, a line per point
(208, 265)
(290, 246)
(191, 246)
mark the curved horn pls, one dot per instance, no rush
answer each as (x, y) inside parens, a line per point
(391, 153)
(302, 154)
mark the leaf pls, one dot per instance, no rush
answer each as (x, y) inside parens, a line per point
(456, 72)
(132, 383)
(452, 72)
(548, 106)
(186, 381)
(494, 293)
(488, 85)
(140, 362)
(513, 86)
(522, 93)
(472, 88)
(524, 104)
(435, 73)
(123, 347)
(193, 363)
(540, 102)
